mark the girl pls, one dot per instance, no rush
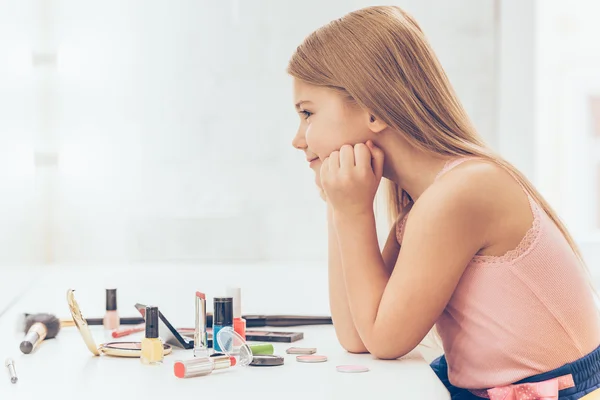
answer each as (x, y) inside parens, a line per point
(475, 250)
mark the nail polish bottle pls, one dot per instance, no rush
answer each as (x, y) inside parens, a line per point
(222, 317)
(239, 323)
(111, 318)
(152, 345)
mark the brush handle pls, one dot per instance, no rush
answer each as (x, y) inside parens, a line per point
(65, 322)
(36, 334)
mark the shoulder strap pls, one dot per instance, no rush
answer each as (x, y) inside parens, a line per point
(450, 164)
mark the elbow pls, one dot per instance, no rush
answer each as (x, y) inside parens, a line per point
(355, 348)
(388, 350)
(353, 345)
(387, 354)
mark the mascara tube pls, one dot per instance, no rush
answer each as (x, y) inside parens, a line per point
(200, 334)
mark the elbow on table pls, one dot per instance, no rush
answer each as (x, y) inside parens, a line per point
(354, 347)
(387, 351)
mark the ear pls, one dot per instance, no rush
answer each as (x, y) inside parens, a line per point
(375, 124)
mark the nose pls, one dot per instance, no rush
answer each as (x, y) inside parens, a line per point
(299, 140)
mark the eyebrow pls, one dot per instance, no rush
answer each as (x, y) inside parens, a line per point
(298, 104)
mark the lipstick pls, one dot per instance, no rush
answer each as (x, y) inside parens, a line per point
(128, 331)
(202, 366)
(200, 335)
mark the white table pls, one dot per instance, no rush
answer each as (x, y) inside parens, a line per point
(14, 282)
(64, 368)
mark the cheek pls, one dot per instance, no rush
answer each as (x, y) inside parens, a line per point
(311, 136)
(321, 138)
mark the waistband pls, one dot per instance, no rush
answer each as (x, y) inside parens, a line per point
(573, 377)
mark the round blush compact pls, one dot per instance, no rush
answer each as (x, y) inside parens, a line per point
(266, 361)
(301, 350)
(311, 359)
(352, 368)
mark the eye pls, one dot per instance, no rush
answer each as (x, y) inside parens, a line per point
(305, 113)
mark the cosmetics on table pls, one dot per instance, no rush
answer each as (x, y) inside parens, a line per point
(201, 366)
(266, 336)
(239, 323)
(223, 317)
(352, 368)
(261, 349)
(115, 349)
(251, 336)
(252, 321)
(301, 350)
(259, 321)
(200, 334)
(129, 330)
(269, 360)
(233, 344)
(10, 364)
(256, 321)
(168, 333)
(111, 318)
(152, 345)
(66, 322)
(313, 358)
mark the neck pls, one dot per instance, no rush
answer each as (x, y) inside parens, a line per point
(411, 169)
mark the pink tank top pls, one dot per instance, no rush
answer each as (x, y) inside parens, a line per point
(528, 311)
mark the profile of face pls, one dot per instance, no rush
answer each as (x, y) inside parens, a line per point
(327, 122)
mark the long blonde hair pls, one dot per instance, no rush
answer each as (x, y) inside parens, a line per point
(380, 58)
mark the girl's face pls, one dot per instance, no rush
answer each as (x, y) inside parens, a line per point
(327, 122)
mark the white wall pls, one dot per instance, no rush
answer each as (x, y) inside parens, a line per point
(21, 194)
(567, 153)
(171, 124)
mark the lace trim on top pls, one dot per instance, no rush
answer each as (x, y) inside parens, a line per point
(525, 245)
(400, 228)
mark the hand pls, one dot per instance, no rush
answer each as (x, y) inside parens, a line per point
(350, 177)
(318, 183)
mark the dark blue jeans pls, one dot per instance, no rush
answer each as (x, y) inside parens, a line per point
(585, 372)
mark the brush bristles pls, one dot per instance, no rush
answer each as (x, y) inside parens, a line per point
(52, 323)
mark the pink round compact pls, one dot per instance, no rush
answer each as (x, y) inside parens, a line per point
(311, 359)
(352, 368)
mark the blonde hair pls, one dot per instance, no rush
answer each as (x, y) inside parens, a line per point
(380, 58)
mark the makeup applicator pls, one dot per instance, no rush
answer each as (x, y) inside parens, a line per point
(39, 327)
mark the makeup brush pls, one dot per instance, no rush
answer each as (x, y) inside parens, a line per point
(39, 327)
(67, 322)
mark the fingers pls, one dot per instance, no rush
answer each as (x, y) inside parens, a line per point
(362, 155)
(324, 172)
(334, 161)
(378, 158)
(347, 156)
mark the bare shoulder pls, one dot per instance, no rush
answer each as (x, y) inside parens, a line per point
(469, 192)
(484, 180)
(487, 191)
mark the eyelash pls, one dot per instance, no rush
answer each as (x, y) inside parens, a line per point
(306, 114)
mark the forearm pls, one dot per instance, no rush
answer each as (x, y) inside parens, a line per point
(364, 270)
(338, 300)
